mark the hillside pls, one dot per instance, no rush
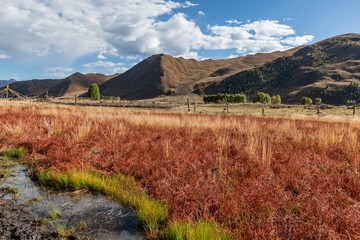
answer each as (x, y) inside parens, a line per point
(324, 69)
(165, 75)
(6, 82)
(74, 84)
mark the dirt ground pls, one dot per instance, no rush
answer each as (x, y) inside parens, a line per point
(17, 223)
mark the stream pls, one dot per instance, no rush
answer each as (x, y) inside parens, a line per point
(92, 215)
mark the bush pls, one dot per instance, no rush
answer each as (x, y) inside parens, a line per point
(262, 97)
(306, 101)
(221, 97)
(15, 153)
(350, 103)
(276, 99)
(94, 92)
(318, 101)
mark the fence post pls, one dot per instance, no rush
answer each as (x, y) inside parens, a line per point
(195, 107)
(354, 108)
(263, 111)
(318, 110)
(188, 103)
(227, 107)
(75, 99)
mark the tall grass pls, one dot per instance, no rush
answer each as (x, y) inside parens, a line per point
(15, 152)
(189, 231)
(121, 188)
(253, 177)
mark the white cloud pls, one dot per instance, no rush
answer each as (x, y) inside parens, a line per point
(127, 29)
(59, 72)
(298, 40)
(201, 13)
(233, 21)
(189, 4)
(110, 67)
(4, 56)
(105, 64)
(253, 37)
(119, 70)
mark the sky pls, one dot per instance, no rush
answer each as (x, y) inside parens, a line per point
(43, 39)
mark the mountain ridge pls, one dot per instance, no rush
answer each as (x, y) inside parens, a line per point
(162, 74)
(315, 71)
(329, 69)
(75, 84)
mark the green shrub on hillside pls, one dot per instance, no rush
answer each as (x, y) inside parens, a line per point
(262, 98)
(276, 99)
(306, 101)
(221, 97)
(318, 101)
(94, 92)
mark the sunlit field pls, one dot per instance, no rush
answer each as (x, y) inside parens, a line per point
(256, 177)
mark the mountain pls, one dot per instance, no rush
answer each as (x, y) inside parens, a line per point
(74, 84)
(6, 82)
(165, 75)
(329, 69)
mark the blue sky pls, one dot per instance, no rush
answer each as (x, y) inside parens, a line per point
(55, 38)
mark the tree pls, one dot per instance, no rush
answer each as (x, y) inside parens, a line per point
(276, 99)
(94, 92)
(318, 101)
(306, 101)
(262, 97)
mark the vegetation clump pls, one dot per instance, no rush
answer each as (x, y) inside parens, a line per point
(306, 101)
(318, 101)
(230, 98)
(276, 99)
(218, 168)
(262, 97)
(94, 92)
(15, 153)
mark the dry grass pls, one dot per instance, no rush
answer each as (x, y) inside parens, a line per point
(256, 177)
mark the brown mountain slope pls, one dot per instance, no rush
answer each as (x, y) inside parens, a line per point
(34, 87)
(6, 82)
(165, 75)
(324, 69)
(75, 84)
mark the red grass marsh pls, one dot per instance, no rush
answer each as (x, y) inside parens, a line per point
(199, 176)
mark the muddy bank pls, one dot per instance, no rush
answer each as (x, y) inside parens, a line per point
(17, 223)
(80, 214)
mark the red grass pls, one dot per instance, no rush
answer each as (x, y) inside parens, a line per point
(306, 188)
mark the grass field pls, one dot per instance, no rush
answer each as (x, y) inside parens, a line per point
(277, 176)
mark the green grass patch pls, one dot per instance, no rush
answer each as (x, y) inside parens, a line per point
(54, 212)
(15, 153)
(62, 231)
(151, 213)
(198, 231)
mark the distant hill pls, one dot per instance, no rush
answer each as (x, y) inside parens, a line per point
(6, 82)
(329, 69)
(325, 69)
(165, 75)
(74, 84)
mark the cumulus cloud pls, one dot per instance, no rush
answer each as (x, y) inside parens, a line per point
(128, 29)
(252, 37)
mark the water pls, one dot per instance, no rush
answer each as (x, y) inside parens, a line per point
(92, 215)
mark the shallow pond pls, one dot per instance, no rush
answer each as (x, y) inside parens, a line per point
(94, 216)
